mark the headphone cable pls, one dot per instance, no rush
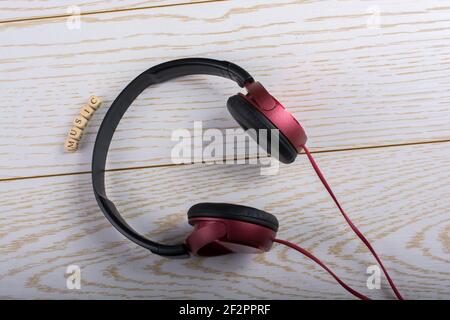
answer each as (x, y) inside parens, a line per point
(350, 223)
(320, 263)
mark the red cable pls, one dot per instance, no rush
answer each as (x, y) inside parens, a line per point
(350, 223)
(320, 263)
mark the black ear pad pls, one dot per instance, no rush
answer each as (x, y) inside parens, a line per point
(249, 117)
(233, 212)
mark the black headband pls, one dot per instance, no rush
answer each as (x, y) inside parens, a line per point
(157, 74)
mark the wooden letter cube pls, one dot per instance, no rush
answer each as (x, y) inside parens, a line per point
(87, 112)
(80, 122)
(71, 144)
(95, 102)
(75, 133)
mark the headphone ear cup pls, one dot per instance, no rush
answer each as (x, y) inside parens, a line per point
(233, 212)
(222, 228)
(249, 117)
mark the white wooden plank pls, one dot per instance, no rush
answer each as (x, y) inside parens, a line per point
(348, 84)
(399, 197)
(23, 9)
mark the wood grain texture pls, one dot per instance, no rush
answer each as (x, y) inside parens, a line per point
(399, 197)
(349, 85)
(23, 9)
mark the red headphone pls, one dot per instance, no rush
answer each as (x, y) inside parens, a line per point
(219, 228)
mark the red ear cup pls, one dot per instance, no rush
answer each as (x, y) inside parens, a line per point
(224, 230)
(260, 110)
(249, 117)
(277, 114)
(217, 236)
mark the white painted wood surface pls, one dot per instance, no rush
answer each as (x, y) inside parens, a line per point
(397, 196)
(25, 9)
(351, 85)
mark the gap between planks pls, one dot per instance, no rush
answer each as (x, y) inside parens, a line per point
(205, 162)
(88, 13)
